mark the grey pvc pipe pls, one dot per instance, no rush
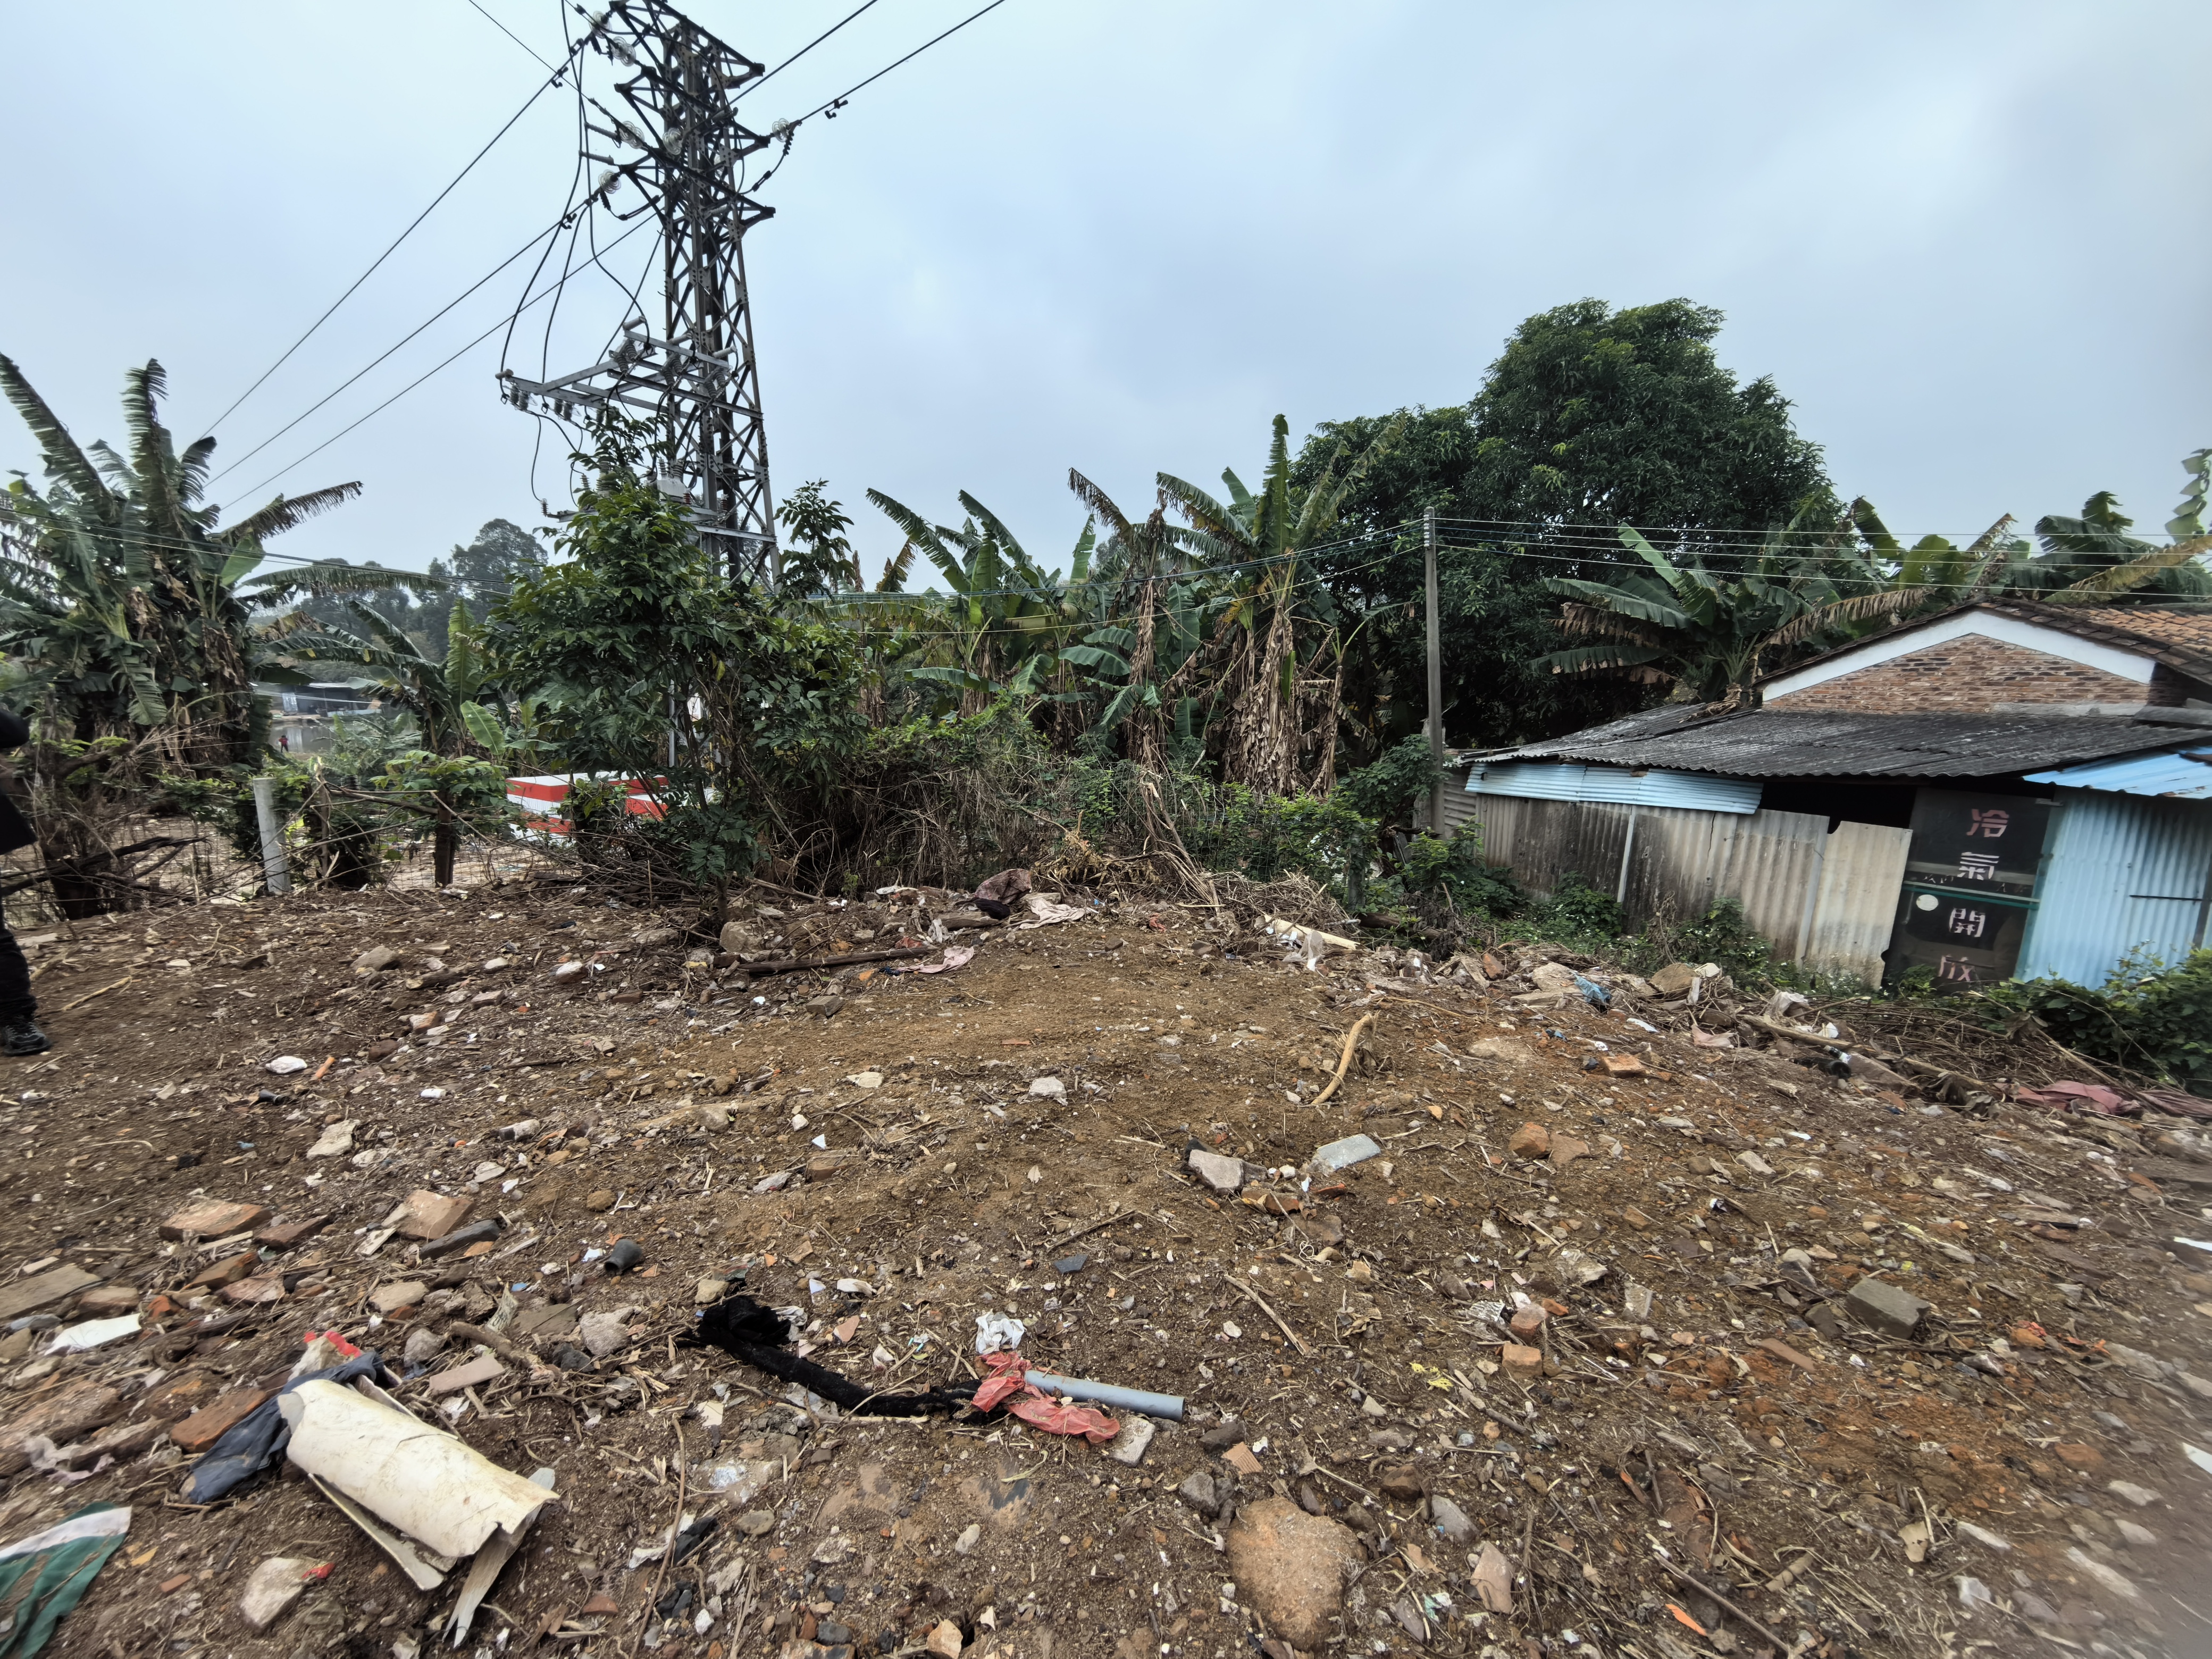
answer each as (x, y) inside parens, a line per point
(1169, 1406)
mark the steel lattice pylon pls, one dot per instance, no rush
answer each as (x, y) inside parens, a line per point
(699, 379)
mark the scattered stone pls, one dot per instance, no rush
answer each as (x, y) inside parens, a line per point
(425, 1214)
(1291, 1567)
(335, 1141)
(756, 1523)
(1222, 1435)
(965, 1544)
(1755, 1164)
(1623, 1066)
(275, 1585)
(2140, 1497)
(1130, 1445)
(866, 1079)
(1198, 1491)
(1525, 1363)
(1450, 1520)
(825, 1008)
(44, 1290)
(213, 1218)
(423, 1345)
(1674, 979)
(1402, 1481)
(1240, 1458)
(710, 1291)
(109, 1299)
(286, 1234)
(375, 960)
(1529, 1140)
(1636, 1218)
(1224, 1175)
(602, 1332)
(602, 1200)
(1982, 1535)
(943, 1641)
(389, 1299)
(1048, 1088)
(228, 1271)
(1527, 1323)
(1883, 1307)
(567, 973)
(2118, 1585)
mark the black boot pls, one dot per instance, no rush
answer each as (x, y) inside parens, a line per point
(22, 1037)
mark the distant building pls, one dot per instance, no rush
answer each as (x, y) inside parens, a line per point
(2004, 790)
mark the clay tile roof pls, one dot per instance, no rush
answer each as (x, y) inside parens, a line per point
(2181, 639)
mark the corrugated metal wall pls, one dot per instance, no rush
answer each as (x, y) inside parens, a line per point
(1826, 901)
(2121, 874)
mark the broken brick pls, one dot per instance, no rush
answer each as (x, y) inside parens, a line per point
(214, 1218)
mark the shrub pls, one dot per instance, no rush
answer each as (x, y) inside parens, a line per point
(2148, 1018)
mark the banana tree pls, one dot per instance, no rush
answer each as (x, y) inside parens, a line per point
(130, 606)
(1002, 625)
(1706, 634)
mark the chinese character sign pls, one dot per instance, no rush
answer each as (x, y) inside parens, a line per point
(1969, 886)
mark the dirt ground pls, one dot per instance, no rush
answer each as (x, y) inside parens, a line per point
(2014, 1478)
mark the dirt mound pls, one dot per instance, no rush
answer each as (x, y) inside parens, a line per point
(1622, 1381)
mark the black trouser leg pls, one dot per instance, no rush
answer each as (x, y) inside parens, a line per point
(17, 1005)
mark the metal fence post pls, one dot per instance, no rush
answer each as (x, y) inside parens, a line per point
(274, 868)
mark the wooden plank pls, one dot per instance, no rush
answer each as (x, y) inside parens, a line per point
(45, 1288)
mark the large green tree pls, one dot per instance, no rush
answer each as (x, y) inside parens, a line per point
(1590, 416)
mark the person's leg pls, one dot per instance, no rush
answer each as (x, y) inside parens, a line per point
(18, 1009)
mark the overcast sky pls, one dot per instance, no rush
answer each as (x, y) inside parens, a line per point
(1971, 242)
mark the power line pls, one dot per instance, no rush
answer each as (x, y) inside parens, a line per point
(504, 322)
(835, 103)
(543, 88)
(509, 34)
(551, 229)
(800, 53)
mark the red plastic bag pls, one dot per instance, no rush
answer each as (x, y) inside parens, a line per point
(1009, 1380)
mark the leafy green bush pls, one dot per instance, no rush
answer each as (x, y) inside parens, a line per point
(1577, 914)
(1453, 869)
(1722, 934)
(2148, 1018)
(1391, 789)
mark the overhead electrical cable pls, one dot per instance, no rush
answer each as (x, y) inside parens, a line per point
(544, 87)
(835, 103)
(550, 230)
(510, 33)
(801, 52)
(505, 322)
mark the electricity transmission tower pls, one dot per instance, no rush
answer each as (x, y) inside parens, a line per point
(698, 379)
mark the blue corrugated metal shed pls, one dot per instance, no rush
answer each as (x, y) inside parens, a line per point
(1619, 785)
(2122, 875)
(2177, 775)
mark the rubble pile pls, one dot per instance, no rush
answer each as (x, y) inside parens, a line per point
(1468, 1305)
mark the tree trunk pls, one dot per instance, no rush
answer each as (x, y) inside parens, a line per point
(445, 840)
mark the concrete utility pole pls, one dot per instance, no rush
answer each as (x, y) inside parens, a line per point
(275, 869)
(1436, 674)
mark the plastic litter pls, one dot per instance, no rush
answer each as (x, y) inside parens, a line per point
(1011, 1385)
(1343, 1154)
(61, 1564)
(93, 1333)
(995, 1332)
(258, 1439)
(1166, 1406)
